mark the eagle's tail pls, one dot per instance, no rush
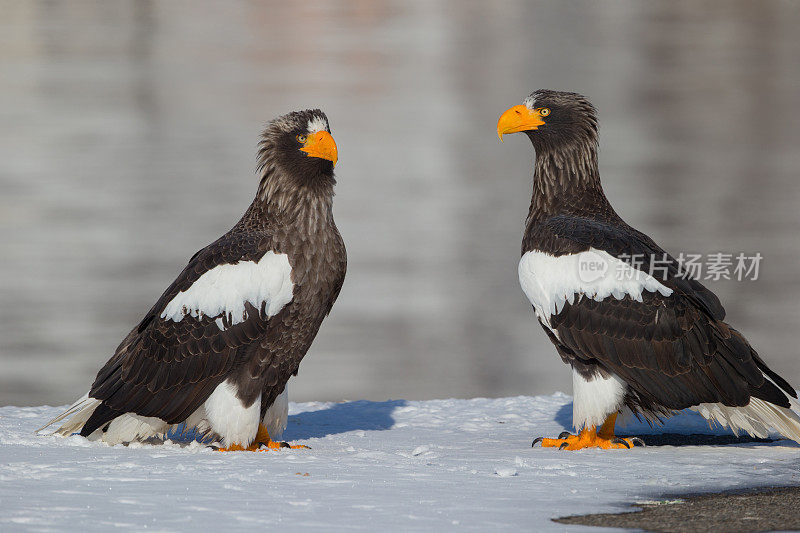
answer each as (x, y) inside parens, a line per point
(127, 427)
(77, 414)
(756, 418)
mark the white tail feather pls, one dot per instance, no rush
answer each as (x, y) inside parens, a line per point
(80, 411)
(756, 418)
(133, 428)
(126, 428)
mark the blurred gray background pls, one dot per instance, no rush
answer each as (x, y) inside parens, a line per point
(128, 134)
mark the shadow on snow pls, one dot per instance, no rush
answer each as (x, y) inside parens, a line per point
(341, 418)
(330, 420)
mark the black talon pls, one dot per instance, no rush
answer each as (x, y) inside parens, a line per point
(285, 445)
(563, 445)
(564, 435)
(638, 442)
(618, 440)
(537, 439)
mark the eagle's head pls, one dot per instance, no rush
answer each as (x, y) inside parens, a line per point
(299, 144)
(552, 119)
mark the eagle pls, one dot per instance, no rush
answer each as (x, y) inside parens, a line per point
(639, 333)
(217, 349)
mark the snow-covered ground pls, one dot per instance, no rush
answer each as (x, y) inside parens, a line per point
(395, 465)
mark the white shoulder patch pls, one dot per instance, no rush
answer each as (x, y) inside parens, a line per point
(550, 281)
(317, 124)
(224, 290)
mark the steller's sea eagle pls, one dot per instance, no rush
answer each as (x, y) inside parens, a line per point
(637, 334)
(216, 350)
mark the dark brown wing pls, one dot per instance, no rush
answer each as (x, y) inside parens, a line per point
(167, 369)
(673, 351)
(670, 353)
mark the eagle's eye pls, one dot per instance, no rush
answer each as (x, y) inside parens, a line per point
(302, 139)
(544, 111)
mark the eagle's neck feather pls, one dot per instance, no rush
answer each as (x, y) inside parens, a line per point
(306, 206)
(566, 181)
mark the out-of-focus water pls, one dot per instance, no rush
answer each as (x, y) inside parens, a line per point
(127, 142)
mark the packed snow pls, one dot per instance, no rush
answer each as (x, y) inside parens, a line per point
(394, 465)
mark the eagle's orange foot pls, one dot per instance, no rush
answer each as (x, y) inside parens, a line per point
(273, 445)
(590, 437)
(261, 443)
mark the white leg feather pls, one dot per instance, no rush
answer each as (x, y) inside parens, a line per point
(277, 415)
(595, 399)
(229, 418)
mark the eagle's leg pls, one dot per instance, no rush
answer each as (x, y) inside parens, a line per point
(263, 439)
(591, 437)
(261, 443)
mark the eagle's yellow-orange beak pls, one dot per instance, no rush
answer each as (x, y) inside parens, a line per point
(322, 145)
(518, 118)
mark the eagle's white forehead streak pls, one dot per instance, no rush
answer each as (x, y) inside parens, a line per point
(225, 289)
(530, 102)
(317, 124)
